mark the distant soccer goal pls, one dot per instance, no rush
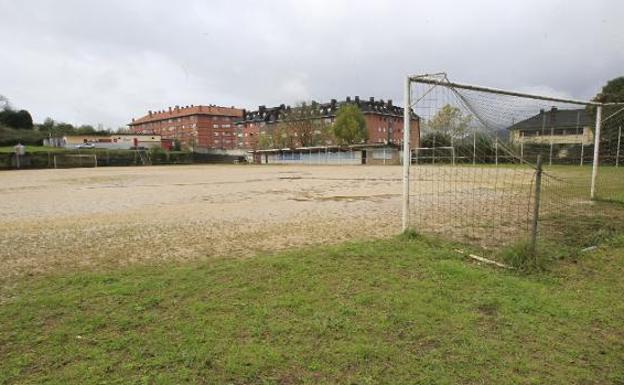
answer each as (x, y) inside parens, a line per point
(433, 155)
(74, 160)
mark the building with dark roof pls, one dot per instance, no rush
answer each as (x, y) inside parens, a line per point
(384, 121)
(555, 126)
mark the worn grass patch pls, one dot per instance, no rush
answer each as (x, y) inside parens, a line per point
(405, 310)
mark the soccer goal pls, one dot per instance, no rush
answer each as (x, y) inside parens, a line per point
(517, 160)
(431, 155)
(74, 160)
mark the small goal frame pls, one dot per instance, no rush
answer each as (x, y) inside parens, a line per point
(78, 156)
(416, 157)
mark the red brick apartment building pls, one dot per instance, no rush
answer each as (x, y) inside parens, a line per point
(384, 121)
(195, 127)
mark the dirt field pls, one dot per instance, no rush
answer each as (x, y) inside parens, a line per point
(116, 216)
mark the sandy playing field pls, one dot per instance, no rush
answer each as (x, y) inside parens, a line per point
(77, 218)
(117, 216)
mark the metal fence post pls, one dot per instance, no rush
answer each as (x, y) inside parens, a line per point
(536, 204)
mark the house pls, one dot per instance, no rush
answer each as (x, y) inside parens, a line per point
(556, 126)
(194, 127)
(384, 122)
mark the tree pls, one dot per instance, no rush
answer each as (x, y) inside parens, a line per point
(16, 119)
(613, 117)
(4, 103)
(265, 141)
(303, 124)
(85, 129)
(450, 121)
(436, 139)
(613, 91)
(47, 125)
(279, 136)
(350, 125)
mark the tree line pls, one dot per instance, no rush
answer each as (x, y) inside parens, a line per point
(16, 126)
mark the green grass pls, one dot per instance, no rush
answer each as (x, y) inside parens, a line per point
(404, 310)
(7, 149)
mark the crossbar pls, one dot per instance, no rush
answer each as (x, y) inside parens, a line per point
(446, 83)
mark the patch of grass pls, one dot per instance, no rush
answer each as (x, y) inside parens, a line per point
(410, 234)
(405, 310)
(523, 257)
(580, 228)
(11, 149)
(526, 259)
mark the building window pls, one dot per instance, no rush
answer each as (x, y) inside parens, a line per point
(215, 126)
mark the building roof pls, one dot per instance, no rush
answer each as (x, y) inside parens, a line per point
(555, 118)
(177, 112)
(326, 110)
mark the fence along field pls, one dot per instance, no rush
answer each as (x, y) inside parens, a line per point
(475, 177)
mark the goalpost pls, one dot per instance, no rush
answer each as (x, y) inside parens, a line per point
(492, 129)
(75, 160)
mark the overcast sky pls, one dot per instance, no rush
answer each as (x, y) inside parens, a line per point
(92, 62)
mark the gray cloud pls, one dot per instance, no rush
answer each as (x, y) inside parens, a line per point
(108, 61)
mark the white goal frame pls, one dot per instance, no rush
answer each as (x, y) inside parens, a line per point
(433, 149)
(86, 156)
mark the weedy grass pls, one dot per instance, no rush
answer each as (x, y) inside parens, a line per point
(403, 310)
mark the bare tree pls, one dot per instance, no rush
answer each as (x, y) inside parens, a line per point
(303, 125)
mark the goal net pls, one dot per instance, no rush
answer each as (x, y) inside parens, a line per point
(489, 142)
(74, 160)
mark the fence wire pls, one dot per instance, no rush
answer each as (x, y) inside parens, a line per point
(473, 174)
